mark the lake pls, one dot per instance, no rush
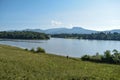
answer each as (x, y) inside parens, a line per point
(70, 47)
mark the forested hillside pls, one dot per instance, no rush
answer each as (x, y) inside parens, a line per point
(23, 35)
(95, 36)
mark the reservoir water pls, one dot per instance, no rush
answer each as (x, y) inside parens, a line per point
(70, 47)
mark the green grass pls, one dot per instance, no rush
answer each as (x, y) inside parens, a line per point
(18, 64)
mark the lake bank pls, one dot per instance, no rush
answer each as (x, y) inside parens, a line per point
(17, 63)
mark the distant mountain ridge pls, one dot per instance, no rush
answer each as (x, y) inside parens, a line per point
(74, 30)
(114, 30)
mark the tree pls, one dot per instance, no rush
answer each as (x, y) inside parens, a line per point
(116, 56)
(108, 56)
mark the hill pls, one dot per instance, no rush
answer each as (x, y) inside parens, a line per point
(115, 30)
(74, 30)
(18, 64)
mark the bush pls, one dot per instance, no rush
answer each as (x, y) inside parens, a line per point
(26, 49)
(32, 50)
(106, 58)
(96, 58)
(116, 57)
(40, 50)
(85, 57)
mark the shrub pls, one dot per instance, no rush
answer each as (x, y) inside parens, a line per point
(32, 50)
(106, 58)
(26, 49)
(116, 57)
(85, 57)
(40, 50)
(96, 58)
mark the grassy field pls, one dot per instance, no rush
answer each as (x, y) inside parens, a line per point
(18, 64)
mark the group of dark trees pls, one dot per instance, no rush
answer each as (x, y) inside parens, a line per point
(96, 36)
(23, 35)
(106, 58)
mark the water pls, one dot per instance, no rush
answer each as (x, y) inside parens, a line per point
(70, 47)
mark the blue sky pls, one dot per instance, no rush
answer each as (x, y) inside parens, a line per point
(45, 14)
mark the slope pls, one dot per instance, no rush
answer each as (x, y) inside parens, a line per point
(18, 64)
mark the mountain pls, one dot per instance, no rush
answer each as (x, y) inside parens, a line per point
(115, 30)
(34, 30)
(56, 31)
(74, 30)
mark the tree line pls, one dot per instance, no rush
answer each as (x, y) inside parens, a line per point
(106, 58)
(96, 36)
(22, 35)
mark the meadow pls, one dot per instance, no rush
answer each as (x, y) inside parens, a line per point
(18, 64)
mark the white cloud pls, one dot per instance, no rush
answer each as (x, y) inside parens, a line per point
(56, 23)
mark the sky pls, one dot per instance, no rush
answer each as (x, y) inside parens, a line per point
(45, 14)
